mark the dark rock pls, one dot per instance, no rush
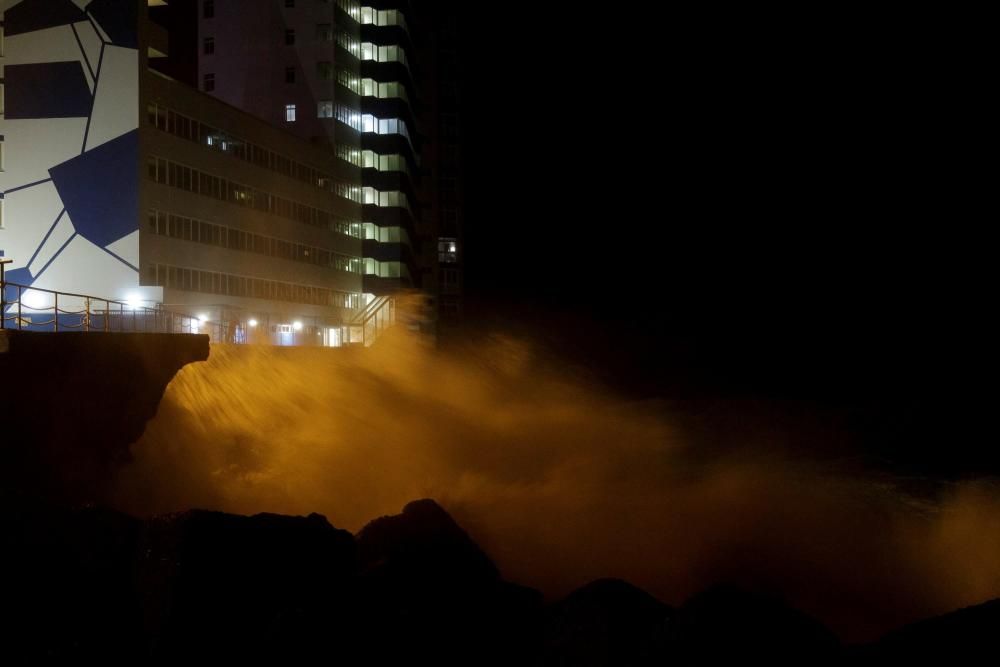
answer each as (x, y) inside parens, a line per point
(726, 625)
(430, 588)
(607, 622)
(425, 541)
(67, 578)
(229, 586)
(966, 636)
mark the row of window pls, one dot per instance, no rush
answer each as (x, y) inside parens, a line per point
(390, 162)
(373, 232)
(186, 178)
(199, 231)
(370, 123)
(385, 198)
(391, 53)
(351, 7)
(382, 17)
(383, 90)
(179, 125)
(366, 87)
(342, 112)
(386, 269)
(211, 282)
(347, 116)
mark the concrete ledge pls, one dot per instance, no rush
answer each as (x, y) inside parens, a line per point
(72, 403)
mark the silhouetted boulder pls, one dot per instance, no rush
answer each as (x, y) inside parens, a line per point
(967, 636)
(234, 586)
(426, 541)
(607, 622)
(432, 590)
(67, 582)
(726, 625)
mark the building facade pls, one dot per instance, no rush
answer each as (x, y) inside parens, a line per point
(371, 82)
(123, 183)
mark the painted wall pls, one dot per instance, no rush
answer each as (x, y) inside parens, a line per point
(71, 166)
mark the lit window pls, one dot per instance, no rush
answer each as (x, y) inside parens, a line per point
(209, 82)
(325, 109)
(208, 47)
(289, 113)
(447, 250)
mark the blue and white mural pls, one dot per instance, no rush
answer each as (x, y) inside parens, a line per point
(69, 126)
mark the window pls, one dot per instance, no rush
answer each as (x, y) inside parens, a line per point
(449, 279)
(1, 215)
(289, 75)
(289, 37)
(324, 32)
(289, 113)
(208, 46)
(325, 109)
(447, 250)
(290, 3)
(208, 82)
(324, 70)
(208, 9)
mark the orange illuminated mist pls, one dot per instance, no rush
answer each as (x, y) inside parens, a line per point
(560, 482)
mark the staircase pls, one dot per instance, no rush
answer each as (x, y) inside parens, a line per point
(371, 321)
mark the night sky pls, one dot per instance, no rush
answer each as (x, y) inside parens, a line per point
(733, 204)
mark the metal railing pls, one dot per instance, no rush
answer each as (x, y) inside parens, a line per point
(25, 308)
(369, 323)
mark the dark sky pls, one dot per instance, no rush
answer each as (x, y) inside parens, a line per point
(756, 204)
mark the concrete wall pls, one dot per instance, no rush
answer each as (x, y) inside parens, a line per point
(69, 182)
(72, 403)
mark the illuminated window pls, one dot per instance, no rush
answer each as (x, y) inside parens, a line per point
(209, 82)
(325, 109)
(447, 250)
(208, 46)
(289, 113)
